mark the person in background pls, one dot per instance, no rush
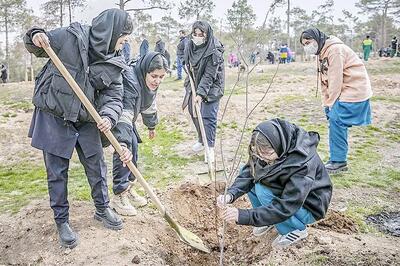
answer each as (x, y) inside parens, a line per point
(205, 63)
(180, 53)
(367, 47)
(4, 73)
(285, 180)
(126, 51)
(283, 54)
(346, 90)
(160, 45)
(393, 46)
(144, 45)
(271, 58)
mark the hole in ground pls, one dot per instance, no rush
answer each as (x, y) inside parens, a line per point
(387, 222)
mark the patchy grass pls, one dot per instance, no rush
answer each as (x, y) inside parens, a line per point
(314, 258)
(19, 184)
(24, 105)
(359, 211)
(9, 114)
(158, 161)
(390, 99)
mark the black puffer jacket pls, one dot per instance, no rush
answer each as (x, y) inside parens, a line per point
(101, 82)
(297, 178)
(210, 73)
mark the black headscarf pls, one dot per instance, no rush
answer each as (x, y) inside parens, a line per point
(195, 53)
(106, 28)
(294, 146)
(141, 69)
(316, 34)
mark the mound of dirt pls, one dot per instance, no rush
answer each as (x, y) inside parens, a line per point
(195, 208)
(338, 222)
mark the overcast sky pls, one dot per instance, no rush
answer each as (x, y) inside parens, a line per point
(259, 6)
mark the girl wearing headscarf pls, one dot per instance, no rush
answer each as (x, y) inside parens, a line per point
(285, 180)
(60, 122)
(141, 83)
(346, 90)
(204, 60)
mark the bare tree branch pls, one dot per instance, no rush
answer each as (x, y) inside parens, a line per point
(147, 8)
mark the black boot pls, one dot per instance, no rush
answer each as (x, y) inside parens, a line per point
(109, 218)
(68, 238)
(336, 167)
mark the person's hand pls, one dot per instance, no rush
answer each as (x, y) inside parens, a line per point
(222, 200)
(104, 125)
(198, 99)
(126, 156)
(41, 40)
(152, 133)
(230, 215)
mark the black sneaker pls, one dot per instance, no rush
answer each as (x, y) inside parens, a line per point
(68, 238)
(336, 167)
(109, 218)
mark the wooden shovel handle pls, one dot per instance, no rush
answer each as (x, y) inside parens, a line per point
(93, 112)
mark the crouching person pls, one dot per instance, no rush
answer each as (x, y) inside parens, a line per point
(60, 122)
(285, 180)
(141, 83)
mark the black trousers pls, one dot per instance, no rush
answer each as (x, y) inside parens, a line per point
(57, 180)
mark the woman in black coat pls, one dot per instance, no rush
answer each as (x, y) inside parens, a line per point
(61, 124)
(204, 60)
(141, 84)
(286, 182)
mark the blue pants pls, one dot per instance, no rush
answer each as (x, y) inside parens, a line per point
(261, 195)
(57, 180)
(122, 175)
(342, 116)
(209, 112)
(179, 67)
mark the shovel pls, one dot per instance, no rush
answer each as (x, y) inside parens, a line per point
(184, 234)
(197, 112)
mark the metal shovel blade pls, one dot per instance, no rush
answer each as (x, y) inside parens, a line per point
(187, 236)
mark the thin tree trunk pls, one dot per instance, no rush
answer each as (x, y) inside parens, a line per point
(384, 18)
(288, 23)
(61, 13)
(32, 75)
(121, 4)
(6, 28)
(70, 11)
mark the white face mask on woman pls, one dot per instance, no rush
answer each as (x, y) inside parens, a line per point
(197, 40)
(311, 48)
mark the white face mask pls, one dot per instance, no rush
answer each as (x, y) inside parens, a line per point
(311, 48)
(198, 40)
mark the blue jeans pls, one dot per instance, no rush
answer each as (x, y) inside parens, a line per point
(261, 195)
(209, 113)
(122, 175)
(342, 116)
(179, 67)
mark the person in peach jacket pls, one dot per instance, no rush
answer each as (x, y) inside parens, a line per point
(346, 90)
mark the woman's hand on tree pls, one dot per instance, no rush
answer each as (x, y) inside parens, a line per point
(230, 215)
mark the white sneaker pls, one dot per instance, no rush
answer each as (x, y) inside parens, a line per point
(136, 199)
(259, 231)
(290, 238)
(121, 204)
(212, 155)
(197, 147)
